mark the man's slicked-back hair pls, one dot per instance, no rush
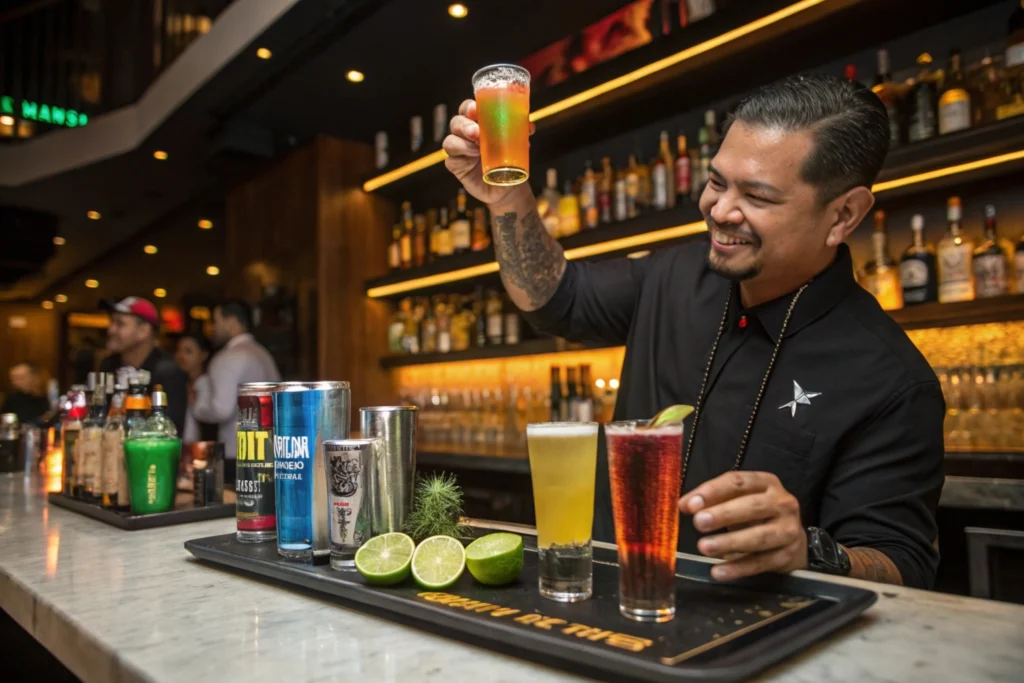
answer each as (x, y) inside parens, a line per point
(848, 122)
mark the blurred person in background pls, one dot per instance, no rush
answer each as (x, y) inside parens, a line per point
(192, 354)
(131, 340)
(25, 399)
(241, 359)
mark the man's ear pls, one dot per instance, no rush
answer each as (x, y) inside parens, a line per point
(848, 210)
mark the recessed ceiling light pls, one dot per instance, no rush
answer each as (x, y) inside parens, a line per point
(59, 241)
(613, 383)
(160, 155)
(92, 284)
(93, 215)
(150, 249)
(212, 270)
(355, 76)
(159, 292)
(205, 223)
(47, 305)
(61, 298)
(458, 10)
(264, 53)
(7, 120)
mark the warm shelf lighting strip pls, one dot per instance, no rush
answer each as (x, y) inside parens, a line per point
(608, 86)
(666, 234)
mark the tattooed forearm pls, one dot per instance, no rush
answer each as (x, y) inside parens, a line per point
(532, 263)
(873, 565)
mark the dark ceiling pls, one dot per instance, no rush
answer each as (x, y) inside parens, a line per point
(413, 54)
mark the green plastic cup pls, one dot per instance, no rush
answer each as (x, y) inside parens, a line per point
(152, 465)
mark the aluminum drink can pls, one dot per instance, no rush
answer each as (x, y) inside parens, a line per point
(350, 463)
(254, 465)
(305, 415)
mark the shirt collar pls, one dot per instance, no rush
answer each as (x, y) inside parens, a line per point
(825, 290)
(237, 339)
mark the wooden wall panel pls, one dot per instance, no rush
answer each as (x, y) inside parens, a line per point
(37, 341)
(352, 230)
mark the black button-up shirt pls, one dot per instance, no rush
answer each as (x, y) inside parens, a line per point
(851, 419)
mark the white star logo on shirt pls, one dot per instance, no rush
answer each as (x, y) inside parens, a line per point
(800, 397)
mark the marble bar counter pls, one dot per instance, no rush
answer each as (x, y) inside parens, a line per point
(117, 606)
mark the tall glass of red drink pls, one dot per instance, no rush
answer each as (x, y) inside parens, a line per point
(644, 466)
(503, 112)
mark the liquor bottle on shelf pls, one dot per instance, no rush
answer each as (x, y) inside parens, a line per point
(955, 100)
(850, 73)
(705, 169)
(588, 198)
(411, 340)
(479, 319)
(460, 226)
(711, 128)
(881, 276)
(419, 243)
(620, 196)
(568, 212)
(71, 430)
(992, 268)
(917, 268)
(956, 276)
(632, 188)
(395, 248)
(683, 173)
(604, 190)
(433, 235)
(643, 193)
(444, 234)
(585, 408)
(462, 323)
(495, 318)
(889, 93)
(988, 85)
(697, 181)
(512, 323)
(659, 184)
(1018, 262)
(572, 395)
(481, 235)
(443, 316)
(556, 394)
(407, 235)
(428, 329)
(923, 102)
(113, 473)
(396, 330)
(90, 442)
(665, 152)
(547, 204)
(1015, 39)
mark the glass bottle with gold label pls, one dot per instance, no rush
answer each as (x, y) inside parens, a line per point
(405, 243)
(113, 474)
(881, 275)
(955, 254)
(547, 204)
(395, 248)
(481, 235)
(444, 235)
(568, 212)
(90, 443)
(955, 100)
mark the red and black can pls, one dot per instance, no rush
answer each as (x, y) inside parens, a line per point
(254, 466)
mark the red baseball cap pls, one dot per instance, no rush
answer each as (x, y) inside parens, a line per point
(133, 305)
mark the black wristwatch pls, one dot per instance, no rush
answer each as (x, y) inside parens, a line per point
(825, 555)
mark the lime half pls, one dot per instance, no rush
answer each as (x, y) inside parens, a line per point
(671, 415)
(495, 559)
(385, 560)
(438, 562)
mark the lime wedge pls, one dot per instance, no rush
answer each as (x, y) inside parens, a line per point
(671, 415)
(385, 560)
(438, 562)
(495, 559)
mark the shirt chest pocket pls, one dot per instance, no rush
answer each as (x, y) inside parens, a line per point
(781, 448)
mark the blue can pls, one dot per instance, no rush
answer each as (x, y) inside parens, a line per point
(305, 415)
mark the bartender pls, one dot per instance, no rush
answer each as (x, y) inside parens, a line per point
(817, 437)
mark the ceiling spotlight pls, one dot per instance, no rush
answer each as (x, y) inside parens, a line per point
(355, 76)
(92, 284)
(205, 224)
(613, 383)
(59, 241)
(212, 270)
(160, 155)
(458, 10)
(150, 249)
(7, 120)
(47, 305)
(61, 298)
(159, 292)
(264, 53)
(93, 215)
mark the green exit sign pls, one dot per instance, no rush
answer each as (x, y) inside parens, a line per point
(45, 113)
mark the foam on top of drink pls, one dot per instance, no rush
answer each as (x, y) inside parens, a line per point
(501, 75)
(562, 429)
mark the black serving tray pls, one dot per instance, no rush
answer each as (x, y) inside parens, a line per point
(184, 512)
(721, 632)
